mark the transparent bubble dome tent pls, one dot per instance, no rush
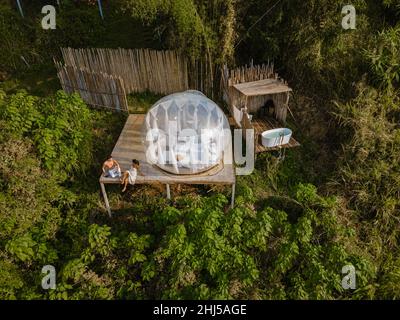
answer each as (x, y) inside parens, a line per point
(184, 132)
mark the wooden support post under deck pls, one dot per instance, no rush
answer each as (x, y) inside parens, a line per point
(103, 190)
(233, 195)
(168, 192)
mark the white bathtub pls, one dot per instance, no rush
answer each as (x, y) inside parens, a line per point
(276, 137)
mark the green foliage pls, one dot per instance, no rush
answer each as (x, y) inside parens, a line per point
(305, 258)
(206, 253)
(26, 191)
(198, 28)
(15, 41)
(202, 253)
(77, 26)
(141, 102)
(58, 126)
(385, 59)
(370, 168)
(10, 281)
(137, 245)
(31, 196)
(23, 42)
(389, 287)
(22, 247)
(20, 112)
(28, 218)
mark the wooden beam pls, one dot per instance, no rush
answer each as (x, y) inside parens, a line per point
(103, 190)
(233, 196)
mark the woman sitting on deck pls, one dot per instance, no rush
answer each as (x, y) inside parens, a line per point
(130, 175)
(111, 168)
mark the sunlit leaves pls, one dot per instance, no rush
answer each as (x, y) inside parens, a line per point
(22, 247)
(384, 60)
(59, 127)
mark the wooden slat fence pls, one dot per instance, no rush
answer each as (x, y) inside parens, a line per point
(103, 77)
(96, 89)
(251, 73)
(161, 72)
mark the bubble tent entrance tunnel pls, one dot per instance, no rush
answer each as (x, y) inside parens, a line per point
(183, 133)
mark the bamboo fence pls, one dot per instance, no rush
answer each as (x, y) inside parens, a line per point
(161, 72)
(96, 89)
(103, 77)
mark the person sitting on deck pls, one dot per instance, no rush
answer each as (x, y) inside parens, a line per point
(130, 175)
(111, 168)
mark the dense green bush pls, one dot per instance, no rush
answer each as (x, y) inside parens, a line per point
(197, 28)
(369, 170)
(23, 42)
(41, 142)
(77, 27)
(59, 127)
(16, 38)
(384, 59)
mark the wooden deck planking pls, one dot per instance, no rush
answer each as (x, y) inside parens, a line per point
(261, 125)
(129, 146)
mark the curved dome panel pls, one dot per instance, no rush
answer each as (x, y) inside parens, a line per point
(184, 132)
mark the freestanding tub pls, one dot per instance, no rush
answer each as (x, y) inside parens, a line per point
(276, 137)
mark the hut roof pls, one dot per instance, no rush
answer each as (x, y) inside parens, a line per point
(262, 87)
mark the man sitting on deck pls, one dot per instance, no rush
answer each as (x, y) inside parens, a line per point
(111, 168)
(130, 175)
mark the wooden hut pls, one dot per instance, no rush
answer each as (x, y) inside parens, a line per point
(258, 99)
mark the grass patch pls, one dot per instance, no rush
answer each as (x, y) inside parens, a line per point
(39, 81)
(141, 102)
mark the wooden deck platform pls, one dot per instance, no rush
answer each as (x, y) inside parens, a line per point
(129, 146)
(261, 125)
